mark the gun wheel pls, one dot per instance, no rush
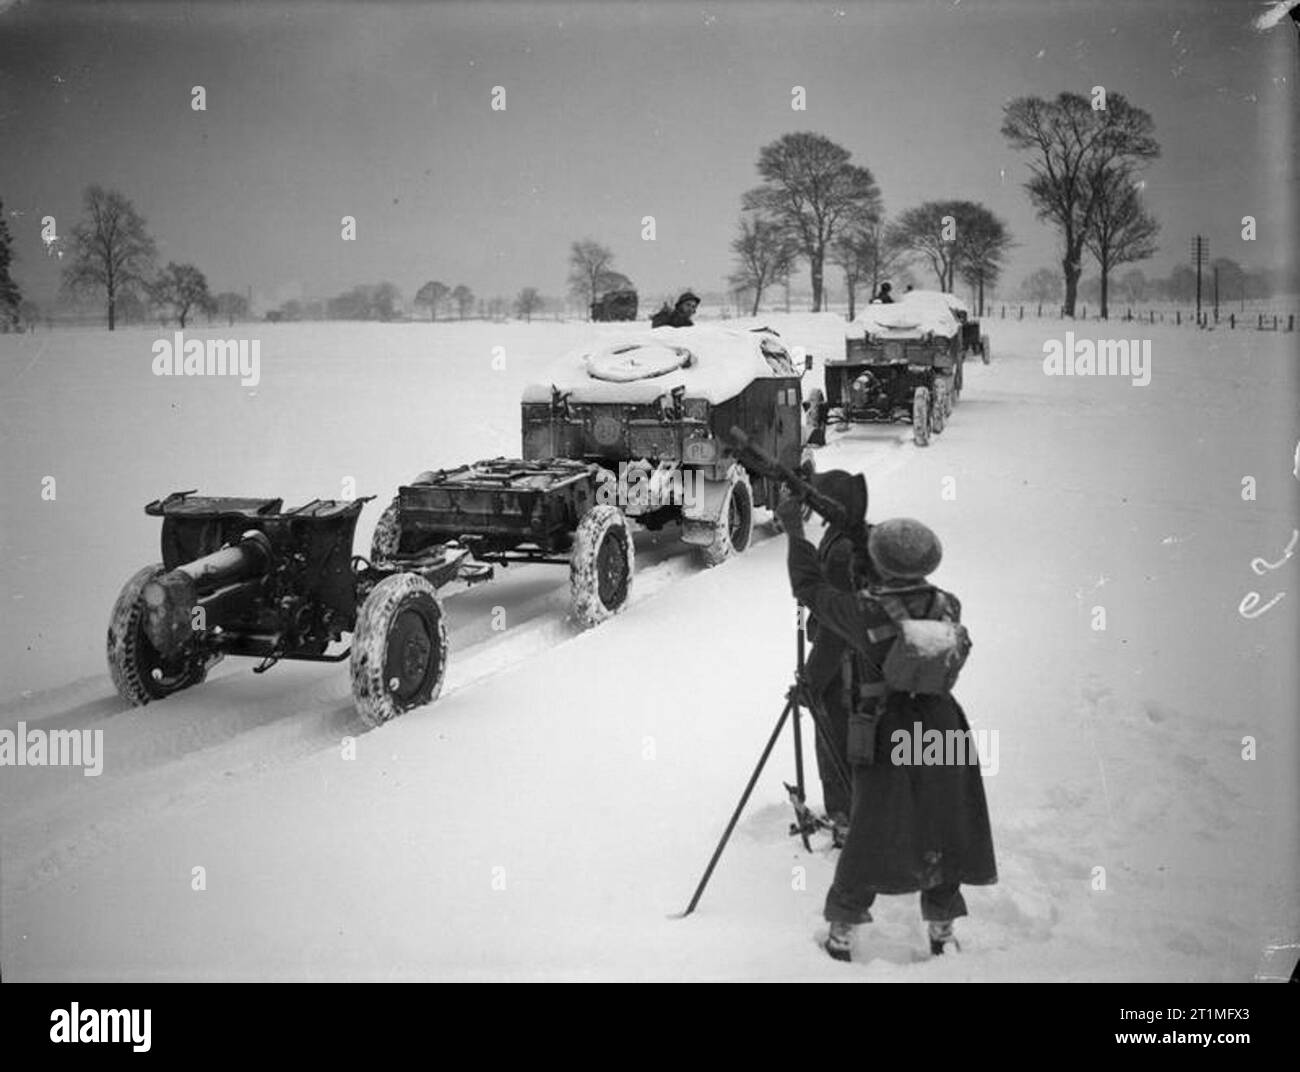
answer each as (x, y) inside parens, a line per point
(140, 674)
(399, 648)
(600, 565)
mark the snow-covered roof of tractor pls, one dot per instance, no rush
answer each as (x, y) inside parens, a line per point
(914, 314)
(709, 362)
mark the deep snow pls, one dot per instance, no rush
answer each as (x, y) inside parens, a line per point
(559, 802)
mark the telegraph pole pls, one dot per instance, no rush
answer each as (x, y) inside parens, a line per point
(1200, 256)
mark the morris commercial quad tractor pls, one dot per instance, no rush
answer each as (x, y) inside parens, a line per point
(656, 411)
(628, 430)
(902, 361)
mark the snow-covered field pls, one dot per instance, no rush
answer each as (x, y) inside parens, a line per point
(546, 816)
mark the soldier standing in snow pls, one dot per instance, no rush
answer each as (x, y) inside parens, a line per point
(680, 316)
(912, 828)
(841, 567)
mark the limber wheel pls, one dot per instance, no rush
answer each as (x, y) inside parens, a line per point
(921, 417)
(140, 674)
(985, 355)
(600, 565)
(385, 543)
(399, 648)
(735, 524)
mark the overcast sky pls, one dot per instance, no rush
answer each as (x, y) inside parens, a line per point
(613, 112)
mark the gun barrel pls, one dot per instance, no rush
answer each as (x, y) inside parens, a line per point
(831, 510)
(169, 599)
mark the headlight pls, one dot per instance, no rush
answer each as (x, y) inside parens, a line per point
(695, 409)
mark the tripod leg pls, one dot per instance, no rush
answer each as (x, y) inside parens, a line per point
(744, 799)
(798, 773)
(822, 725)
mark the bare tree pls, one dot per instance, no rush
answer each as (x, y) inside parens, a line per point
(866, 254)
(11, 298)
(1123, 231)
(528, 302)
(111, 251)
(183, 287)
(930, 230)
(591, 272)
(982, 245)
(384, 300)
(811, 189)
(765, 252)
(1043, 285)
(464, 299)
(29, 314)
(1071, 144)
(1133, 283)
(233, 306)
(432, 294)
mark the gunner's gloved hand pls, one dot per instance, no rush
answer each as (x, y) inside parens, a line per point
(789, 511)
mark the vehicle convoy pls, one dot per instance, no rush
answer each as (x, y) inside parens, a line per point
(903, 362)
(633, 429)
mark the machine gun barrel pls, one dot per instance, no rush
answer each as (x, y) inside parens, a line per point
(170, 599)
(829, 510)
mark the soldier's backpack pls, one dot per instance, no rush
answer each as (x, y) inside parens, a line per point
(929, 652)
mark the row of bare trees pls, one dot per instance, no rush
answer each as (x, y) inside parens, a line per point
(815, 205)
(434, 295)
(1086, 157)
(112, 256)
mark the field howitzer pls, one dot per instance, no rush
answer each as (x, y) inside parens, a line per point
(246, 577)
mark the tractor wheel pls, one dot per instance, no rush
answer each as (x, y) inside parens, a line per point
(600, 565)
(139, 673)
(921, 417)
(399, 648)
(985, 355)
(386, 541)
(942, 404)
(735, 524)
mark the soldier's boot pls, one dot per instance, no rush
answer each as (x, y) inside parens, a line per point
(940, 935)
(839, 943)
